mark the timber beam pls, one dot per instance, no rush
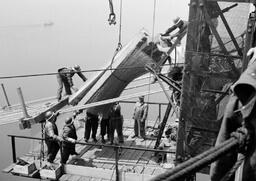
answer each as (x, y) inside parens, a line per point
(27, 122)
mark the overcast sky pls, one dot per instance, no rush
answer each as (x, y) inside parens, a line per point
(78, 34)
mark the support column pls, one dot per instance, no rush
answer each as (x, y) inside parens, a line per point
(22, 102)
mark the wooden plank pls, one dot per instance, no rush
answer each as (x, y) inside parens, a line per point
(146, 157)
(75, 178)
(105, 150)
(126, 154)
(112, 100)
(110, 155)
(138, 169)
(9, 168)
(122, 163)
(148, 170)
(133, 176)
(65, 177)
(88, 171)
(158, 171)
(54, 108)
(85, 178)
(95, 179)
(138, 154)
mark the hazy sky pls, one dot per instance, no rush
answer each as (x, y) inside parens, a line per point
(80, 34)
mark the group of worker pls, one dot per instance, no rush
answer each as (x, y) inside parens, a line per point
(113, 123)
(54, 142)
(109, 124)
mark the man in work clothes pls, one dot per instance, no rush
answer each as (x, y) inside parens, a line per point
(240, 110)
(178, 24)
(64, 77)
(69, 136)
(104, 127)
(116, 123)
(91, 124)
(140, 115)
(51, 136)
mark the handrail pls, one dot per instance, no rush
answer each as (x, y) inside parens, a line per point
(104, 145)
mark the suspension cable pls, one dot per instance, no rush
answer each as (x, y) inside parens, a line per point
(106, 69)
(120, 25)
(119, 44)
(55, 73)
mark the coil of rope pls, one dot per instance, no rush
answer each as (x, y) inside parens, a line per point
(237, 140)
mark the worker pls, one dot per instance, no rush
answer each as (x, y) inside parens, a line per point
(140, 115)
(69, 136)
(178, 23)
(116, 123)
(91, 125)
(104, 127)
(240, 110)
(52, 138)
(64, 77)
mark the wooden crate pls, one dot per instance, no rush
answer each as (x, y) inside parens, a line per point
(53, 174)
(24, 169)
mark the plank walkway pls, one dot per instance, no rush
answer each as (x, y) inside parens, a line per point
(103, 158)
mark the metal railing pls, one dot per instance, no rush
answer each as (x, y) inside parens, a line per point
(115, 147)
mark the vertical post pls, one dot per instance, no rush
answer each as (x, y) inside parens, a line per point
(42, 145)
(23, 106)
(159, 111)
(249, 41)
(61, 153)
(163, 123)
(5, 95)
(116, 158)
(13, 150)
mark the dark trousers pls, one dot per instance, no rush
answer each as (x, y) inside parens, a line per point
(116, 124)
(139, 128)
(62, 81)
(104, 126)
(91, 124)
(52, 150)
(66, 151)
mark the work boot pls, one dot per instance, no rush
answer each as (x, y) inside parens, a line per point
(134, 136)
(95, 140)
(103, 140)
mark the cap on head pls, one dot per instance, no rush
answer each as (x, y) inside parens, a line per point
(77, 67)
(141, 97)
(48, 114)
(176, 20)
(69, 120)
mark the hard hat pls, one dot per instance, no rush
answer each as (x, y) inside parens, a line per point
(48, 114)
(77, 67)
(176, 20)
(69, 121)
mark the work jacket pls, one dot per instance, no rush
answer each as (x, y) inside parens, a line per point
(68, 73)
(241, 107)
(51, 131)
(69, 133)
(140, 111)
